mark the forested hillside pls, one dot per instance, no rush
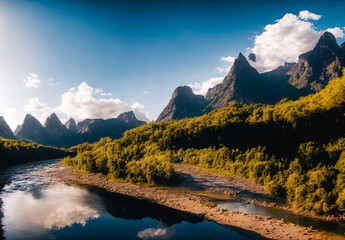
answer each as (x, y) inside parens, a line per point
(295, 149)
(15, 152)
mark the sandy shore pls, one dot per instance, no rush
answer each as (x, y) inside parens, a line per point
(250, 226)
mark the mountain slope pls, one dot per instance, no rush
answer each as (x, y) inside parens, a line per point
(183, 103)
(59, 134)
(5, 130)
(71, 125)
(315, 68)
(32, 129)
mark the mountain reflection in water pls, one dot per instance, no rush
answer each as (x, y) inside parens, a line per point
(34, 207)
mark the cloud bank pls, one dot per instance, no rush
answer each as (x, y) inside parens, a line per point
(286, 39)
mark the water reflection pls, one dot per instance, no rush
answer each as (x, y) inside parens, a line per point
(53, 207)
(34, 207)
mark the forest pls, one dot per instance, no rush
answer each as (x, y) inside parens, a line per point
(16, 152)
(296, 149)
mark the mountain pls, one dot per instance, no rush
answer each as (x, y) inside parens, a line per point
(244, 84)
(91, 130)
(60, 135)
(184, 103)
(315, 68)
(54, 133)
(32, 129)
(5, 130)
(71, 125)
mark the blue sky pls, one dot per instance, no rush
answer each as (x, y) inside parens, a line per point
(139, 51)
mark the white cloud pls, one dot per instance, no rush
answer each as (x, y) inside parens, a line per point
(35, 105)
(306, 15)
(79, 103)
(337, 32)
(53, 83)
(139, 113)
(146, 92)
(203, 88)
(223, 70)
(228, 59)
(32, 81)
(286, 39)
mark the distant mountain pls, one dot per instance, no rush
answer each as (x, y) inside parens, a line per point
(91, 130)
(315, 68)
(32, 129)
(184, 103)
(59, 134)
(71, 125)
(54, 133)
(5, 130)
(244, 84)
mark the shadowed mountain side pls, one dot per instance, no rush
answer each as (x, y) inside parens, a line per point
(32, 129)
(5, 130)
(315, 68)
(184, 103)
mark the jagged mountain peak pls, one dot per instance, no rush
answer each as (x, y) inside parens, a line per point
(327, 40)
(242, 66)
(252, 57)
(183, 91)
(183, 103)
(71, 125)
(52, 120)
(128, 116)
(29, 120)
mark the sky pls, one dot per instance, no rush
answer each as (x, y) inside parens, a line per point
(97, 59)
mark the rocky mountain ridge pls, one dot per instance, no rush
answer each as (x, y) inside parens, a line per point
(244, 84)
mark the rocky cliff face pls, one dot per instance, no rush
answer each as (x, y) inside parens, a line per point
(183, 103)
(5, 130)
(238, 86)
(315, 68)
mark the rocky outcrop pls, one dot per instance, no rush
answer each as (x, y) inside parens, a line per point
(315, 68)
(183, 104)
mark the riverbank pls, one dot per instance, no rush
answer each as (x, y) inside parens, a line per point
(250, 226)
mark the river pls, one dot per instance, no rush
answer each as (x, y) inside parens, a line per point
(35, 207)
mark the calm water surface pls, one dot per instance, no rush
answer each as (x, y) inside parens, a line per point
(34, 207)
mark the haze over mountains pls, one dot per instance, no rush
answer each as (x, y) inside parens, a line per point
(244, 84)
(54, 133)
